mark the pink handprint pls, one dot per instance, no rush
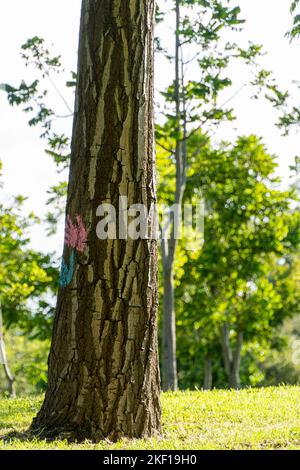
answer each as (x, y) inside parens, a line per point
(71, 233)
(76, 234)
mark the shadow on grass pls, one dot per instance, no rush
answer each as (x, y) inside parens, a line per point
(25, 436)
(42, 436)
(35, 436)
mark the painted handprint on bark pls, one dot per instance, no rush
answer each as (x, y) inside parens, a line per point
(67, 272)
(76, 234)
(76, 239)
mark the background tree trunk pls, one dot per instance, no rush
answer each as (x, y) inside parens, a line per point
(226, 349)
(169, 361)
(234, 381)
(169, 376)
(208, 376)
(4, 362)
(103, 364)
(232, 360)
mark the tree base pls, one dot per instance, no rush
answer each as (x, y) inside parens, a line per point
(79, 434)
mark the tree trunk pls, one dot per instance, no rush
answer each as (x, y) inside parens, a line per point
(4, 362)
(208, 377)
(234, 380)
(226, 349)
(103, 363)
(169, 364)
(232, 360)
(169, 376)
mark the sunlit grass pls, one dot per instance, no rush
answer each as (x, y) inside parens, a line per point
(249, 419)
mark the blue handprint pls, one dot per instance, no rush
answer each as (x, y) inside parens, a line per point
(66, 273)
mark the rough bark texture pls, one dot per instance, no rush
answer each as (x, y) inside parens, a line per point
(103, 364)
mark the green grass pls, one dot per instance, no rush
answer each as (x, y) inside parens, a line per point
(249, 419)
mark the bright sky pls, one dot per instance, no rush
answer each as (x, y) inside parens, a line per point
(28, 171)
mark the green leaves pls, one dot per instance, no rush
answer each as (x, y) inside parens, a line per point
(25, 274)
(228, 16)
(33, 99)
(22, 94)
(58, 149)
(294, 5)
(241, 274)
(34, 53)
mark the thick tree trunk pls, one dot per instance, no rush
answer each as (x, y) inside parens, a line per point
(232, 360)
(169, 376)
(4, 362)
(103, 364)
(208, 375)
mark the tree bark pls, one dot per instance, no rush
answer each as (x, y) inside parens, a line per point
(208, 376)
(4, 362)
(103, 364)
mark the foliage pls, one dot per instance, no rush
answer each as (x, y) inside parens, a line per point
(203, 26)
(28, 361)
(34, 98)
(242, 275)
(295, 31)
(289, 117)
(27, 277)
(282, 364)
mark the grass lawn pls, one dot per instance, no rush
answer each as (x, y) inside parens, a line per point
(249, 419)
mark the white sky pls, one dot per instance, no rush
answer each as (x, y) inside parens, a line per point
(28, 171)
